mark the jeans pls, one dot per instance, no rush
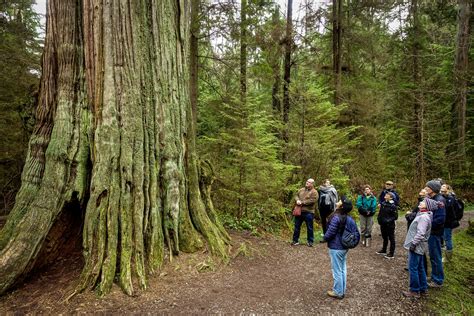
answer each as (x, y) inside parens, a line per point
(448, 238)
(434, 246)
(417, 272)
(388, 233)
(308, 218)
(366, 223)
(339, 270)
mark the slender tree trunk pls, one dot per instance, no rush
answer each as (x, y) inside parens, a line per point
(418, 102)
(287, 74)
(243, 102)
(461, 66)
(337, 48)
(276, 67)
(115, 136)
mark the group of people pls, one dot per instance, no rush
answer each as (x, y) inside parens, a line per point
(429, 224)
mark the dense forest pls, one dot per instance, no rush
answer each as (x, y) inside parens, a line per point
(355, 91)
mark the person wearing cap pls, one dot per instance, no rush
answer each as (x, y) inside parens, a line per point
(307, 198)
(366, 205)
(388, 214)
(432, 189)
(416, 242)
(337, 252)
(389, 187)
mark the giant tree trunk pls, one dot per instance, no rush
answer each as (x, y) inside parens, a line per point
(115, 136)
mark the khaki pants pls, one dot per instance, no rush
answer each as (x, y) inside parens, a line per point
(366, 223)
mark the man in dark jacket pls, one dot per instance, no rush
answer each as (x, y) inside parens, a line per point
(389, 187)
(437, 229)
(307, 198)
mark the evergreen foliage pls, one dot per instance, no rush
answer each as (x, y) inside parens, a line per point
(20, 51)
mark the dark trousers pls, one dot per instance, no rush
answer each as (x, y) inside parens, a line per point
(304, 217)
(324, 220)
(388, 233)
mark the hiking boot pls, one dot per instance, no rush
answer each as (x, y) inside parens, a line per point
(411, 294)
(381, 252)
(434, 285)
(310, 244)
(389, 256)
(334, 295)
(424, 293)
(295, 243)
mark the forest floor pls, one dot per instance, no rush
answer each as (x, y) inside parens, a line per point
(266, 276)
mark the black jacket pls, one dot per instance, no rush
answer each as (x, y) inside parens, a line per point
(388, 213)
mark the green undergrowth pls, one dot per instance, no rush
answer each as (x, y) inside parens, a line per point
(457, 294)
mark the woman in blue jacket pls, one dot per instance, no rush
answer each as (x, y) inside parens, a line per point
(337, 252)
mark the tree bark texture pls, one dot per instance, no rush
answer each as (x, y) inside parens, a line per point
(461, 79)
(115, 136)
(287, 73)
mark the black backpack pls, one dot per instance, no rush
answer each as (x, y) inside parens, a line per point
(458, 209)
(350, 234)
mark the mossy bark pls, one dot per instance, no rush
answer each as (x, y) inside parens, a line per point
(121, 144)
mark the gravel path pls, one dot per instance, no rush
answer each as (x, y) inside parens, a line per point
(267, 277)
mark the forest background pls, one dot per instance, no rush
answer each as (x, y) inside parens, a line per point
(355, 91)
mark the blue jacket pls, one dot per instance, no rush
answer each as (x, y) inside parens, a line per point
(439, 216)
(334, 233)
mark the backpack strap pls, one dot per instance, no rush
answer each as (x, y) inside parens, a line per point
(342, 223)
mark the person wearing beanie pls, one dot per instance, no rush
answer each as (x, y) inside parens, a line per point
(432, 189)
(337, 252)
(388, 214)
(389, 187)
(416, 242)
(410, 216)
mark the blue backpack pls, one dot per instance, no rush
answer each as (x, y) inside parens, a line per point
(350, 234)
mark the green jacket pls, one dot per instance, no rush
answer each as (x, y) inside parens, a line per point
(366, 204)
(308, 199)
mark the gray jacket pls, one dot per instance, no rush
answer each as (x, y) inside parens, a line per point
(419, 232)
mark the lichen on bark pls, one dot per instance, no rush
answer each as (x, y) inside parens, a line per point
(115, 136)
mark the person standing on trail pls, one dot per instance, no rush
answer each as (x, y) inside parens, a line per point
(366, 204)
(307, 198)
(337, 252)
(389, 187)
(450, 222)
(388, 214)
(437, 229)
(410, 216)
(416, 242)
(327, 202)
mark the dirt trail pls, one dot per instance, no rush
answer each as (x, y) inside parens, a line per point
(269, 276)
